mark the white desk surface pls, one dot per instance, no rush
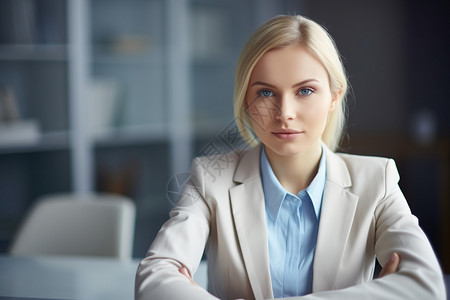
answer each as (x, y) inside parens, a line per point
(67, 277)
(84, 278)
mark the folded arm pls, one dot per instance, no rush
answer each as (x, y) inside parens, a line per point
(419, 275)
(179, 243)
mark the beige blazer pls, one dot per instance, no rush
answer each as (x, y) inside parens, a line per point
(364, 215)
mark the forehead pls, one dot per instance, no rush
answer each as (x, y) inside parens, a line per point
(288, 65)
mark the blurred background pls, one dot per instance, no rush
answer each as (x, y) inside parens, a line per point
(118, 96)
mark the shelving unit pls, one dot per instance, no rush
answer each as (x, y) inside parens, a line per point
(178, 96)
(125, 94)
(34, 66)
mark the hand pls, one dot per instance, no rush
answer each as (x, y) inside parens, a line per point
(183, 270)
(391, 266)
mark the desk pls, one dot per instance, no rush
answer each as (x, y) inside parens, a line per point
(77, 278)
(84, 278)
(67, 278)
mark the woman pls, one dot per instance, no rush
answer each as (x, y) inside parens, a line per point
(290, 217)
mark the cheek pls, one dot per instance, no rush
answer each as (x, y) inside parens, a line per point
(316, 110)
(315, 115)
(261, 113)
(260, 125)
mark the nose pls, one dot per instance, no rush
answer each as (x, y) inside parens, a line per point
(285, 109)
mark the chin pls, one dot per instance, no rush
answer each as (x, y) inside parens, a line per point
(287, 149)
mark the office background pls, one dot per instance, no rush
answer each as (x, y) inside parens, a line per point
(118, 96)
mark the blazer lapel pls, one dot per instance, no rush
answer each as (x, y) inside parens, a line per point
(248, 209)
(338, 210)
(247, 203)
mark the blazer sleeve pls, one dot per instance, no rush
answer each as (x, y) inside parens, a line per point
(180, 242)
(419, 275)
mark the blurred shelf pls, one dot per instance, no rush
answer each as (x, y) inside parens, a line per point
(144, 59)
(33, 52)
(132, 136)
(223, 60)
(208, 128)
(50, 141)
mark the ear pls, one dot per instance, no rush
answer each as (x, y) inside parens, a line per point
(335, 97)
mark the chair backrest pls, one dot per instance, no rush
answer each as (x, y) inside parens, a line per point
(81, 225)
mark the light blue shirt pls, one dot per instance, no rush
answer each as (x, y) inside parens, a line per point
(292, 227)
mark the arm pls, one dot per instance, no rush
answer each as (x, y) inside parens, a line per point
(419, 275)
(391, 266)
(180, 242)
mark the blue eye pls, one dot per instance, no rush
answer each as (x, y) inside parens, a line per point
(265, 93)
(305, 91)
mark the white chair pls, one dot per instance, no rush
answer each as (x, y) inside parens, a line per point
(79, 225)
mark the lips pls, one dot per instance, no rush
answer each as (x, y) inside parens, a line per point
(286, 131)
(287, 134)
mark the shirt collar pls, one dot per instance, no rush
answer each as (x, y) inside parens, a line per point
(274, 191)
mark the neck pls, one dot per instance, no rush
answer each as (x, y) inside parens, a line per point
(295, 172)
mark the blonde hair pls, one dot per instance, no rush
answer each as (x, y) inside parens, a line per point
(283, 31)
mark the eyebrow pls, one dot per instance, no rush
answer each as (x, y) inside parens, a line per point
(295, 85)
